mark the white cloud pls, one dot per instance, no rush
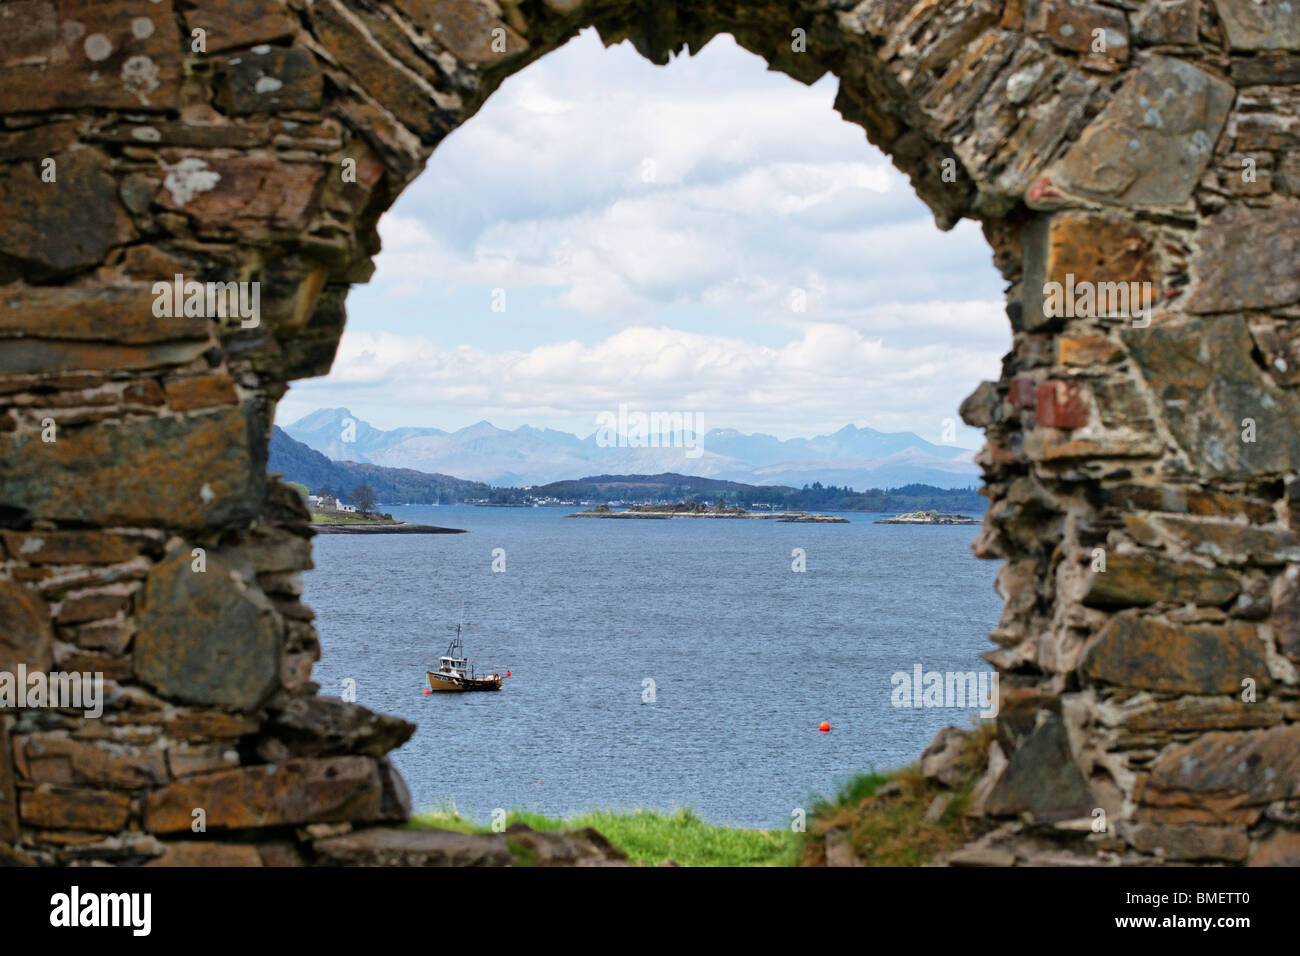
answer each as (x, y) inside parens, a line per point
(829, 376)
(672, 293)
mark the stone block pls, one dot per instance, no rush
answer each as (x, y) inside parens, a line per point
(1152, 142)
(1155, 654)
(202, 639)
(1231, 272)
(55, 758)
(1080, 27)
(1080, 251)
(65, 226)
(70, 547)
(1254, 25)
(331, 790)
(1191, 842)
(1086, 350)
(1225, 777)
(80, 54)
(8, 790)
(1202, 373)
(180, 472)
(52, 328)
(200, 391)
(207, 854)
(1169, 22)
(1061, 405)
(1041, 778)
(465, 28)
(269, 80)
(242, 195)
(101, 811)
(1279, 849)
(235, 23)
(384, 847)
(326, 726)
(27, 636)
(1138, 579)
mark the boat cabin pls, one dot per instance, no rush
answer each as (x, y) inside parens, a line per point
(456, 666)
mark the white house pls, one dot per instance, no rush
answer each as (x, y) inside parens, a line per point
(351, 509)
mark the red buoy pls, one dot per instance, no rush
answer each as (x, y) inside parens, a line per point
(507, 673)
(825, 727)
(428, 691)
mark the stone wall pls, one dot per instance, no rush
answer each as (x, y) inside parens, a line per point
(1146, 141)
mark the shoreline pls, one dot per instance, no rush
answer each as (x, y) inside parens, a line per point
(401, 527)
(801, 517)
(930, 518)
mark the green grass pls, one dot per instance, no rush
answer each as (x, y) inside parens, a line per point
(342, 518)
(888, 825)
(852, 792)
(651, 836)
(885, 817)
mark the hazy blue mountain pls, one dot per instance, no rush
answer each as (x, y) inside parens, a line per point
(483, 452)
(299, 463)
(868, 473)
(851, 457)
(338, 434)
(848, 442)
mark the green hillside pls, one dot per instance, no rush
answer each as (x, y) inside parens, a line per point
(299, 463)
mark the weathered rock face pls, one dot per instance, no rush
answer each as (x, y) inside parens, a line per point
(1153, 140)
(200, 641)
(1136, 169)
(335, 790)
(28, 637)
(101, 471)
(1181, 658)
(1223, 777)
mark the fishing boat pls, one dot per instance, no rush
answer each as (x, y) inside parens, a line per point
(456, 673)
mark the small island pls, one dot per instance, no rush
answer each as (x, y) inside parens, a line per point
(928, 517)
(386, 527)
(696, 510)
(330, 515)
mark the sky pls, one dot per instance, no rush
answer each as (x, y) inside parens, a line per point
(706, 237)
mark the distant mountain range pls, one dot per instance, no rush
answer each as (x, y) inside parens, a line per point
(309, 467)
(852, 457)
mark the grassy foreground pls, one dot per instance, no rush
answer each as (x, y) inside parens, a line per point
(653, 837)
(899, 818)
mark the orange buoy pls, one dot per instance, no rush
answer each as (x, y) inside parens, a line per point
(428, 691)
(825, 727)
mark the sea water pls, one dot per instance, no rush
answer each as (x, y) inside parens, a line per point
(654, 663)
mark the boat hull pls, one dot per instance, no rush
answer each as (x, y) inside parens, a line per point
(444, 683)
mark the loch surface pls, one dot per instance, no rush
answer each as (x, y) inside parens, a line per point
(746, 656)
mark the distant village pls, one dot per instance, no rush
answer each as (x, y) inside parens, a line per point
(361, 502)
(326, 502)
(327, 505)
